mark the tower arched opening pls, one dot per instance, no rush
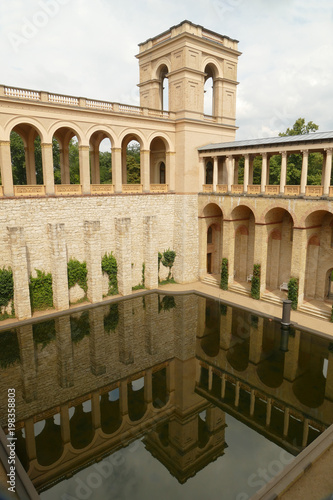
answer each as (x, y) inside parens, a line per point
(131, 160)
(100, 158)
(26, 155)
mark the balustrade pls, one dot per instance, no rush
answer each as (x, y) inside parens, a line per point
(330, 191)
(1, 191)
(237, 188)
(207, 188)
(102, 188)
(222, 188)
(132, 188)
(35, 190)
(314, 190)
(158, 188)
(272, 190)
(68, 189)
(292, 190)
(253, 189)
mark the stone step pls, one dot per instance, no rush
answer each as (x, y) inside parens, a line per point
(273, 299)
(210, 280)
(319, 313)
(239, 289)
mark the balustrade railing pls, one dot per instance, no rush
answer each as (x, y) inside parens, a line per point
(108, 106)
(102, 189)
(273, 189)
(253, 189)
(132, 188)
(330, 191)
(314, 190)
(207, 188)
(32, 190)
(237, 189)
(1, 191)
(22, 93)
(68, 189)
(222, 188)
(158, 188)
(292, 190)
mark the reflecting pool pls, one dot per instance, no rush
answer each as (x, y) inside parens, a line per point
(177, 397)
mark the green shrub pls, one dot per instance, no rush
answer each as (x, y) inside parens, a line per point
(6, 286)
(255, 282)
(77, 273)
(224, 274)
(168, 260)
(41, 293)
(110, 267)
(293, 292)
(141, 285)
(159, 260)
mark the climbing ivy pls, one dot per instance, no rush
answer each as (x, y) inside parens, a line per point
(77, 273)
(41, 293)
(109, 266)
(6, 286)
(293, 292)
(112, 319)
(141, 285)
(255, 282)
(224, 274)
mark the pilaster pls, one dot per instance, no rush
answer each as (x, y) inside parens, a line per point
(20, 272)
(92, 243)
(6, 168)
(58, 252)
(150, 245)
(84, 169)
(116, 169)
(124, 255)
(48, 174)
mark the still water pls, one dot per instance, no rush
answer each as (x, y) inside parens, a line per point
(163, 396)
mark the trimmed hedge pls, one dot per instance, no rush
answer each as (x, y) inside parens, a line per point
(255, 282)
(77, 273)
(41, 293)
(110, 267)
(224, 274)
(293, 292)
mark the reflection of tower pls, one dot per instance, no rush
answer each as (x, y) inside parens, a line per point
(195, 434)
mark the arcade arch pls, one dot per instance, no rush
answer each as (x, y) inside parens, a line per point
(244, 233)
(131, 148)
(68, 142)
(157, 161)
(100, 158)
(26, 155)
(210, 104)
(212, 238)
(279, 247)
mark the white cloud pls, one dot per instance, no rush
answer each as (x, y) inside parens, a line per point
(87, 48)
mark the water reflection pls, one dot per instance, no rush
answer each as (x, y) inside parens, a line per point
(166, 369)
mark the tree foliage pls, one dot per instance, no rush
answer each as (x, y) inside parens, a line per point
(77, 273)
(255, 282)
(293, 292)
(41, 293)
(133, 163)
(110, 267)
(168, 260)
(224, 274)
(6, 286)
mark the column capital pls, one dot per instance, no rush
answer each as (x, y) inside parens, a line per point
(304, 151)
(283, 153)
(328, 150)
(264, 155)
(84, 148)
(172, 153)
(116, 150)
(46, 145)
(145, 151)
(4, 143)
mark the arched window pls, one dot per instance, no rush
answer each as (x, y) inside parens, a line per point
(210, 235)
(209, 173)
(209, 91)
(162, 173)
(164, 88)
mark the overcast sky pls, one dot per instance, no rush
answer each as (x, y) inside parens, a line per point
(87, 48)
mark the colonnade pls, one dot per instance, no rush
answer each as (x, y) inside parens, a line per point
(226, 167)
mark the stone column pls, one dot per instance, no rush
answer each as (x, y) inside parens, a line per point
(210, 378)
(251, 160)
(20, 272)
(260, 253)
(171, 171)
(253, 402)
(28, 362)
(125, 332)
(58, 252)
(237, 389)
(215, 170)
(263, 173)
(328, 170)
(123, 398)
(305, 432)
(96, 341)
(30, 165)
(47, 161)
(145, 169)
(64, 424)
(256, 336)
(228, 246)
(6, 168)
(246, 171)
(92, 244)
(150, 246)
(124, 255)
(230, 172)
(150, 318)
(95, 410)
(148, 386)
(64, 351)
(268, 412)
(116, 170)
(298, 260)
(94, 165)
(284, 157)
(84, 169)
(304, 176)
(202, 179)
(286, 422)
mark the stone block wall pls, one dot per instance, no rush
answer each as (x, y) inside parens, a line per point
(53, 230)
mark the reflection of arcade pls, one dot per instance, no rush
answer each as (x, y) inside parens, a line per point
(279, 383)
(95, 381)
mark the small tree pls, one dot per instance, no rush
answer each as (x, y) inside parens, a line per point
(255, 282)
(168, 260)
(293, 292)
(224, 274)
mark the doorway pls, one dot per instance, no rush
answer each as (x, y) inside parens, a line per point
(209, 263)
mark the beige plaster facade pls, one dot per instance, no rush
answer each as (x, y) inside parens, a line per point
(286, 229)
